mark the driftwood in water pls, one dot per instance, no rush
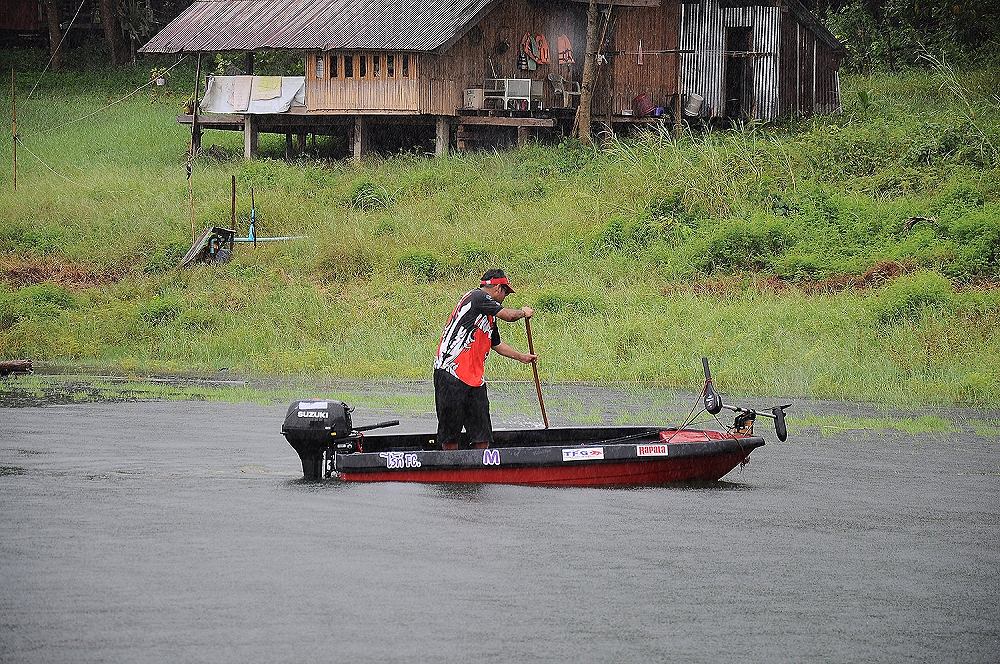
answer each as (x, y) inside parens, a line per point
(8, 367)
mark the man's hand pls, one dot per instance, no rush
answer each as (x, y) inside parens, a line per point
(528, 358)
(528, 312)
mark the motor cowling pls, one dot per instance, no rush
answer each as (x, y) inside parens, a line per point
(310, 427)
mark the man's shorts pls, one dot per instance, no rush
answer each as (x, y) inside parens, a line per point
(459, 405)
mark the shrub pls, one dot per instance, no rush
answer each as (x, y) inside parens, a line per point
(339, 262)
(420, 265)
(161, 309)
(626, 234)
(366, 195)
(199, 319)
(977, 239)
(743, 244)
(912, 296)
(552, 301)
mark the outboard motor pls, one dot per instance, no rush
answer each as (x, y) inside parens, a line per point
(318, 428)
(312, 426)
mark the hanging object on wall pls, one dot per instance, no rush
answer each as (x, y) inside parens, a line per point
(543, 49)
(529, 52)
(564, 50)
(638, 59)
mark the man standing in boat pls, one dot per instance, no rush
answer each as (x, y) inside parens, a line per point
(469, 335)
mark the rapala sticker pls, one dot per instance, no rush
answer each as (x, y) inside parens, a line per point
(395, 460)
(651, 450)
(491, 457)
(314, 405)
(583, 453)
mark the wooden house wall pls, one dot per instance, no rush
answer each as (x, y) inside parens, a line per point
(810, 78)
(382, 95)
(625, 78)
(473, 59)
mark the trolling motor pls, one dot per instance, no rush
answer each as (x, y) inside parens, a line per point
(744, 416)
(323, 427)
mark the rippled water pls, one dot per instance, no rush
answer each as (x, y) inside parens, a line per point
(181, 531)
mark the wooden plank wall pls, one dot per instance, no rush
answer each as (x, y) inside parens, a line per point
(474, 58)
(352, 95)
(658, 28)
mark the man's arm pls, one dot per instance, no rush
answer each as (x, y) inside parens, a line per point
(511, 315)
(509, 351)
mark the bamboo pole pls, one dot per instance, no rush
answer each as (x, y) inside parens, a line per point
(534, 369)
(13, 122)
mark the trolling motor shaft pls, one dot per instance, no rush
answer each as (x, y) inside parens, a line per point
(744, 416)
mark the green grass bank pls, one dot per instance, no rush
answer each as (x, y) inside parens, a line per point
(852, 256)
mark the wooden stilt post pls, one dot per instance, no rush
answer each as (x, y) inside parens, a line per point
(249, 136)
(679, 98)
(289, 153)
(359, 138)
(13, 122)
(523, 133)
(232, 216)
(300, 142)
(443, 138)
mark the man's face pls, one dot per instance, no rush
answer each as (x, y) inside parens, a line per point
(499, 292)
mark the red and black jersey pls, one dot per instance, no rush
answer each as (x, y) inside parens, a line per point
(468, 336)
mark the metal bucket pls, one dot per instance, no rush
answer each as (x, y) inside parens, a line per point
(692, 107)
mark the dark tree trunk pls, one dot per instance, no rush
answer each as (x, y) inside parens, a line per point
(583, 112)
(55, 33)
(113, 32)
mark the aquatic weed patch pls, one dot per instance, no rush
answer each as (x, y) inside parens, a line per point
(832, 425)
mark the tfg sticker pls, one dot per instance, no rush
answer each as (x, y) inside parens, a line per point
(400, 460)
(583, 453)
(651, 450)
(491, 457)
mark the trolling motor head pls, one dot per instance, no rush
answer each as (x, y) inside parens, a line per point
(744, 416)
(713, 400)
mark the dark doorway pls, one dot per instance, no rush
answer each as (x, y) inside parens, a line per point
(739, 73)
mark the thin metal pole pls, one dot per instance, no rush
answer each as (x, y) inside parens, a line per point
(534, 369)
(233, 200)
(191, 151)
(13, 124)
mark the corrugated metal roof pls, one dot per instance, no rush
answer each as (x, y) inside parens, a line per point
(252, 25)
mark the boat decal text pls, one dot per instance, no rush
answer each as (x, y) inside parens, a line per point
(491, 457)
(314, 405)
(583, 453)
(651, 450)
(314, 413)
(400, 460)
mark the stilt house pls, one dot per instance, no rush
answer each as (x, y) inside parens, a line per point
(469, 66)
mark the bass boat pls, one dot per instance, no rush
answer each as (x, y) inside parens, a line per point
(330, 446)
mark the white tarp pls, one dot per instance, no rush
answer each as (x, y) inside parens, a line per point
(253, 94)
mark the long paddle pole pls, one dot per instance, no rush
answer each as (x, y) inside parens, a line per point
(534, 370)
(13, 122)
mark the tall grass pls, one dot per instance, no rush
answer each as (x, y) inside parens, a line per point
(848, 256)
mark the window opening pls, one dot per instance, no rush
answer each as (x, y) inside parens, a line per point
(348, 66)
(362, 66)
(405, 64)
(390, 66)
(333, 65)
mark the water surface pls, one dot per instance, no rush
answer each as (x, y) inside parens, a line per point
(181, 531)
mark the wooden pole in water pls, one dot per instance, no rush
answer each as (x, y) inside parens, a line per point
(534, 369)
(13, 122)
(192, 148)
